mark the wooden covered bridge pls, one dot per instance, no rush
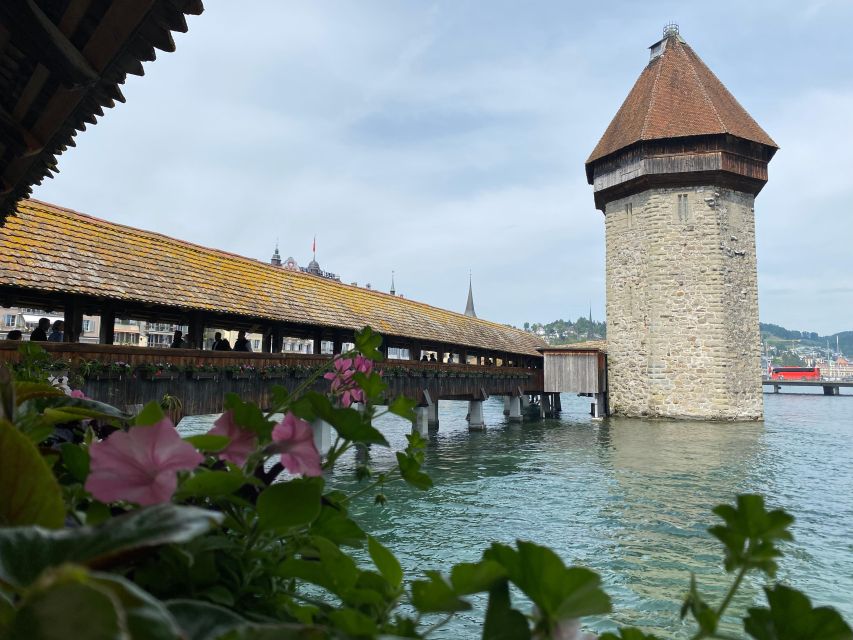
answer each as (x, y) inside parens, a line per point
(62, 64)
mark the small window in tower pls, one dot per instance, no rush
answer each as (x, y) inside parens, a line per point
(629, 215)
(683, 209)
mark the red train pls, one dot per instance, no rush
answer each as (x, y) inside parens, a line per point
(794, 373)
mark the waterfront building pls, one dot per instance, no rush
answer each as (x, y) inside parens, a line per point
(676, 174)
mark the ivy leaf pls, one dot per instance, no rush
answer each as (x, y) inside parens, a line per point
(557, 591)
(403, 407)
(435, 595)
(385, 561)
(791, 617)
(367, 342)
(704, 615)
(410, 469)
(750, 533)
(286, 505)
(29, 492)
(502, 621)
(474, 577)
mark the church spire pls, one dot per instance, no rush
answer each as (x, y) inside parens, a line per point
(276, 256)
(392, 292)
(469, 307)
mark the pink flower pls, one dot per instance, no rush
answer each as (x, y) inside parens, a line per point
(343, 384)
(243, 441)
(140, 465)
(295, 439)
(77, 393)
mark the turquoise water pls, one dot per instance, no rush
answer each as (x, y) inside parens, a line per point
(628, 498)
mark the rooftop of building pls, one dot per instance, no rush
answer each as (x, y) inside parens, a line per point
(51, 249)
(676, 96)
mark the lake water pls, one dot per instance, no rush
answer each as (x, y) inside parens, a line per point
(628, 498)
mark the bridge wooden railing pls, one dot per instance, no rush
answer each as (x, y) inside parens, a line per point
(125, 375)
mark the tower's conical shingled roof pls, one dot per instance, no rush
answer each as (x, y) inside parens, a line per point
(676, 96)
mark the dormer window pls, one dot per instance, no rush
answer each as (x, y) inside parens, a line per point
(657, 49)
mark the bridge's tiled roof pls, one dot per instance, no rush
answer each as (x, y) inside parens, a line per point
(677, 96)
(52, 249)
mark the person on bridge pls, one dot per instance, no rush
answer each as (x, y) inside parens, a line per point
(220, 343)
(56, 331)
(15, 334)
(424, 358)
(177, 340)
(242, 342)
(39, 334)
(432, 358)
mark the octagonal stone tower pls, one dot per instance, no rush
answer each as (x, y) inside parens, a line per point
(676, 174)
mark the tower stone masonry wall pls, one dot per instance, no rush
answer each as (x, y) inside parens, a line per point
(682, 305)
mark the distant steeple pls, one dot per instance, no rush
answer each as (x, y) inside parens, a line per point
(276, 256)
(392, 292)
(589, 330)
(469, 307)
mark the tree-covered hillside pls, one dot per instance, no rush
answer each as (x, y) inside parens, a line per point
(775, 333)
(568, 332)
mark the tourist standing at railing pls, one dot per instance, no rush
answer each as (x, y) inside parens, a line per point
(177, 340)
(39, 334)
(56, 332)
(242, 342)
(15, 334)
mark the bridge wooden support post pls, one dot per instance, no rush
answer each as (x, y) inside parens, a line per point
(831, 390)
(421, 422)
(337, 344)
(777, 388)
(107, 330)
(598, 409)
(475, 415)
(514, 409)
(196, 330)
(557, 404)
(322, 436)
(525, 401)
(318, 343)
(73, 318)
(546, 410)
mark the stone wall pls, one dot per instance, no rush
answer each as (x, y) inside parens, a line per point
(682, 305)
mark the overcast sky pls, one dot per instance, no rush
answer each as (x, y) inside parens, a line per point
(431, 138)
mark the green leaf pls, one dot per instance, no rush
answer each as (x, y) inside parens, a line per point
(76, 460)
(91, 612)
(750, 534)
(201, 620)
(435, 595)
(475, 577)
(7, 395)
(350, 424)
(792, 617)
(147, 618)
(28, 390)
(372, 385)
(334, 525)
(385, 561)
(29, 493)
(211, 484)
(559, 592)
(403, 407)
(704, 615)
(322, 563)
(502, 621)
(249, 416)
(208, 443)
(353, 622)
(286, 505)
(367, 342)
(151, 413)
(410, 469)
(27, 551)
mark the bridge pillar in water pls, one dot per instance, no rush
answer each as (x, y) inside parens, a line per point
(421, 421)
(831, 390)
(525, 402)
(597, 408)
(322, 436)
(514, 414)
(506, 405)
(432, 415)
(475, 415)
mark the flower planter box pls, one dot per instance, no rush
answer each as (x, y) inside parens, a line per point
(109, 375)
(203, 375)
(240, 375)
(159, 375)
